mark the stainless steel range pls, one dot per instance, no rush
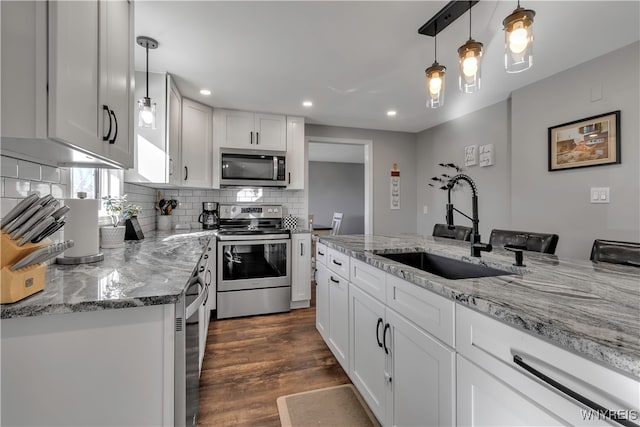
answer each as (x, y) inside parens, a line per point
(254, 261)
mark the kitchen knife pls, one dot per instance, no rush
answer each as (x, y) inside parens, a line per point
(61, 211)
(42, 254)
(24, 216)
(24, 228)
(49, 230)
(37, 229)
(18, 209)
(44, 200)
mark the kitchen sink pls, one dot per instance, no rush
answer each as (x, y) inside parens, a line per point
(444, 267)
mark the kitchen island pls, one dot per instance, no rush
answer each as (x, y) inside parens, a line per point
(576, 321)
(104, 343)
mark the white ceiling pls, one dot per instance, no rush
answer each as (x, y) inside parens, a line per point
(356, 60)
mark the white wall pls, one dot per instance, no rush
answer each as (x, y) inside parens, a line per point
(445, 144)
(388, 148)
(559, 201)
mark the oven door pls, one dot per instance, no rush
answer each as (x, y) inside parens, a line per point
(253, 264)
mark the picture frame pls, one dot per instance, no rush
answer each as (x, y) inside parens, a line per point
(592, 141)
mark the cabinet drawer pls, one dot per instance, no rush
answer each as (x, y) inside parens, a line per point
(338, 262)
(368, 278)
(431, 312)
(321, 253)
(492, 345)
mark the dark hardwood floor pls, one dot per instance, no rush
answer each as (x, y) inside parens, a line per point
(249, 362)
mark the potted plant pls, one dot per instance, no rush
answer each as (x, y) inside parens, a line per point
(133, 229)
(112, 236)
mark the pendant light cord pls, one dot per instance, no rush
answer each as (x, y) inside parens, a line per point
(470, 19)
(147, 48)
(435, 43)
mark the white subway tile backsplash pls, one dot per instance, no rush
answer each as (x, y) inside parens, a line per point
(41, 188)
(59, 191)
(16, 188)
(29, 170)
(64, 176)
(50, 174)
(6, 205)
(9, 167)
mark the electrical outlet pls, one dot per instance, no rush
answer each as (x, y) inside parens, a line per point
(599, 195)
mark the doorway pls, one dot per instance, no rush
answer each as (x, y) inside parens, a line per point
(339, 179)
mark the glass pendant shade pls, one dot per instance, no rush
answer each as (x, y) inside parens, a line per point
(146, 113)
(518, 40)
(435, 85)
(470, 55)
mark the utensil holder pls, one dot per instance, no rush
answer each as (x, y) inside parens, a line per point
(19, 284)
(164, 222)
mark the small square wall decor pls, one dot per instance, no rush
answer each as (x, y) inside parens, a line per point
(471, 155)
(486, 155)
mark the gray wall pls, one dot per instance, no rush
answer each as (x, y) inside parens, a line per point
(388, 148)
(337, 187)
(559, 201)
(445, 144)
(519, 192)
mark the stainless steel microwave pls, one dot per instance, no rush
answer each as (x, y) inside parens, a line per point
(251, 168)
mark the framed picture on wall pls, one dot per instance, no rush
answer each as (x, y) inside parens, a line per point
(593, 141)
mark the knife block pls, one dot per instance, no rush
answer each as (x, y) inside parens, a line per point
(19, 284)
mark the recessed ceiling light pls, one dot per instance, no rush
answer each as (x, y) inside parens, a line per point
(391, 113)
(206, 92)
(307, 104)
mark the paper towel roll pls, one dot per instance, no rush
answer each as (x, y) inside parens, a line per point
(82, 227)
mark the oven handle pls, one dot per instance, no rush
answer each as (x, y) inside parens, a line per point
(195, 305)
(251, 237)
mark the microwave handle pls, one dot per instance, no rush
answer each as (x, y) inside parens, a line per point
(275, 168)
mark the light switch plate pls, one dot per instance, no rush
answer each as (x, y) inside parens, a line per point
(599, 195)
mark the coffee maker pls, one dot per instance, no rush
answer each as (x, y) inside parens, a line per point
(209, 216)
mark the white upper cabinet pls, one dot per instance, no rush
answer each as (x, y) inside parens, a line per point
(243, 129)
(295, 153)
(196, 152)
(67, 76)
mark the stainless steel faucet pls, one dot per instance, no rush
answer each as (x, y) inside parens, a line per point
(476, 246)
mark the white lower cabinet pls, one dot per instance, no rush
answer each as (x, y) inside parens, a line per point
(322, 300)
(405, 375)
(333, 296)
(300, 270)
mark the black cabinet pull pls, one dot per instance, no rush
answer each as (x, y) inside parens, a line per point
(337, 263)
(320, 253)
(301, 249)
(251, 138)
(206, 256)
(289, 177)
(334, 280)
(201, 268)
(257, 138)
(613, 415)
(105, 108)
(378, 331)
(384, 338)
(115, 134)
(186, 173)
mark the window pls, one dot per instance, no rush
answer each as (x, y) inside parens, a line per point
(97, 183)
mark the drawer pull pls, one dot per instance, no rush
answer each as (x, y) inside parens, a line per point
(573, 394)
(337, 263)
(378, 331)
(334, 280)
(320, 253)
(384, 338)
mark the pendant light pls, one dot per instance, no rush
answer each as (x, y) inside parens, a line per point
(518, 39)
(470, 55)
(435, 80)
(146, 109)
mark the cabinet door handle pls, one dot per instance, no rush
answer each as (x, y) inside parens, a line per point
(334, 280)
(613, 415)
(301, 249)
(257, 138)
(251, 138)
(207, 278)
(170, 166)
(105, 108)
(115, 134)
(186, 173)
(384, 338)
(320, 253)
(378, 332)
(337, 263)
(289, 177)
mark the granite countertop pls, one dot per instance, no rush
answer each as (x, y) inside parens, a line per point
(151, 271)
(592, 309)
